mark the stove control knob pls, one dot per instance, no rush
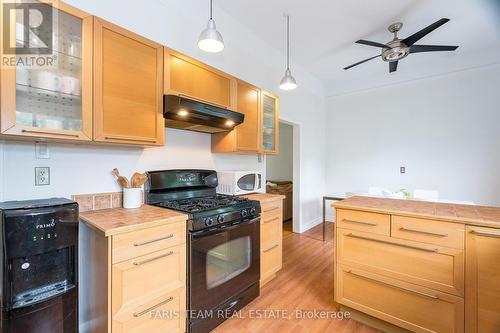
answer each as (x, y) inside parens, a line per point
(244, 213)
(209, 221)
(220, 219)
(253, 211)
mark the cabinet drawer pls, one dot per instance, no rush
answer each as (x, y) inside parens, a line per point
(271, 208)
(270, 259)
(271, 229)
(428, 231)
(136, 283)
(162, 314)
(363, 221)
(427, 265)
(141, 242)
(403, 304)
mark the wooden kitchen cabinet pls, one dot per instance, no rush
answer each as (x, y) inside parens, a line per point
(259, 133)
(482, 280)
(187, 77)
(128, 87)
(133, 271)
(53, 103)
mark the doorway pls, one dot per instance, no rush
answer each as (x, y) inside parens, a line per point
(280, 174)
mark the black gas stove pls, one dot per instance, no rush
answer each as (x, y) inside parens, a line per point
(194, 192)
(223, 243)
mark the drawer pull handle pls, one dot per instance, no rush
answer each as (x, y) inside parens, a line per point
(139, 263)
(423, 232)
(485, 234)
(50, 133)
(154, 240)
(128, 138)
(271, 220)
(426, 249)
(393, 286)
(271, 209)
(360, 222)
(271, 248)
(142, 313)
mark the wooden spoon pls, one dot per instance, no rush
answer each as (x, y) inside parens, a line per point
(141, 179)
(135, 177)
(122, 180)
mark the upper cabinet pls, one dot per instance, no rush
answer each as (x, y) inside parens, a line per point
(128, 87)
(270, 123)
(53, 101)
(190, 78)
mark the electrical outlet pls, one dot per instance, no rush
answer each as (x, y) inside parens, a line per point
(42, 176)
(402, 169)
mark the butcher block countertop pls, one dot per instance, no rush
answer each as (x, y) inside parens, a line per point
(468, 214)
(264, 197)
(120, 220)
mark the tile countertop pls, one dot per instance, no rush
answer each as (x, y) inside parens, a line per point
(120, 220)
(264, 197)
(468, 214)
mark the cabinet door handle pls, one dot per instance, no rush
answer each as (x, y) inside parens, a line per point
(50, 133)
(271, 248)
(154, 240)
(139, 263)
(426, 249)
(142, 313)
(423, 232)
(360, 222)
(393, 286)
(485, 234)
(271, 209)
(128, 138)
(203, 101)
(271, 220)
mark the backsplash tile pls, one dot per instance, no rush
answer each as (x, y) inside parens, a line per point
(98, 201)
(102, 201)
(117, 200)
(85, 202)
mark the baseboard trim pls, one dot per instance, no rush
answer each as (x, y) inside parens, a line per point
(310, 224)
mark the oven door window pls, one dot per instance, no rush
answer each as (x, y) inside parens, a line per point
(247, 182)
(228, 260)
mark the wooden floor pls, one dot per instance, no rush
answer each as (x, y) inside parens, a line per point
(287, 228)
(304, 283)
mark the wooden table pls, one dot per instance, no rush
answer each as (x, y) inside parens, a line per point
(336, 197)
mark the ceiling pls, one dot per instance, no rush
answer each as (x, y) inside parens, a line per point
(324, 32)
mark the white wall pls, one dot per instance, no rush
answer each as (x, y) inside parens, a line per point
(177, 24)
(280, 167)
(445, 130)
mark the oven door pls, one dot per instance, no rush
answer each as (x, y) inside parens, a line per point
(223, 262)
(248, 183)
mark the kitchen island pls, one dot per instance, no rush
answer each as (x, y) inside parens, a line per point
(404, 265)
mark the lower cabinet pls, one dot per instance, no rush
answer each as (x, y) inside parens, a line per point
(271, 240)
(410, 306)
(482, 298)
(134, 282)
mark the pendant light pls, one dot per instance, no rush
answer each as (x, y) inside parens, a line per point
(288, 81)
(210, 39)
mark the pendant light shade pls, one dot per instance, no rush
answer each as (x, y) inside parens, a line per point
(288, 82)
(210, 39)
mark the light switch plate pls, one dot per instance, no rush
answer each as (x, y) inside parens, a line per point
(42, 176)
(41, 150)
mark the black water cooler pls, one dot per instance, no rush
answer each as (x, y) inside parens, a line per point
(39, 260)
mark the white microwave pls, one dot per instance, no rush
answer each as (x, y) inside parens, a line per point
(239, 182)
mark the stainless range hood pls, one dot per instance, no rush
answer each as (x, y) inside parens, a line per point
(190, 114)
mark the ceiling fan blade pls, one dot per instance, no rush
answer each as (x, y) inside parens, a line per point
(370, 43)
(431, 48)
(359, 63)
(409, 41)
(393, 66)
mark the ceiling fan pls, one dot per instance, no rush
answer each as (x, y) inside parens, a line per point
(398, 49)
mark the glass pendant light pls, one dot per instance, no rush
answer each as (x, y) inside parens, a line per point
(288, 82)
(210, 39)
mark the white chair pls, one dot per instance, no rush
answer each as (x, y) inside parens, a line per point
(427, 195)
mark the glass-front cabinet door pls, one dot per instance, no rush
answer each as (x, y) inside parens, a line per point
(46, 89)
(270, 124)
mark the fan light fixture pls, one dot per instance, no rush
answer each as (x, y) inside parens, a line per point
(210, 39)
(288, 82)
